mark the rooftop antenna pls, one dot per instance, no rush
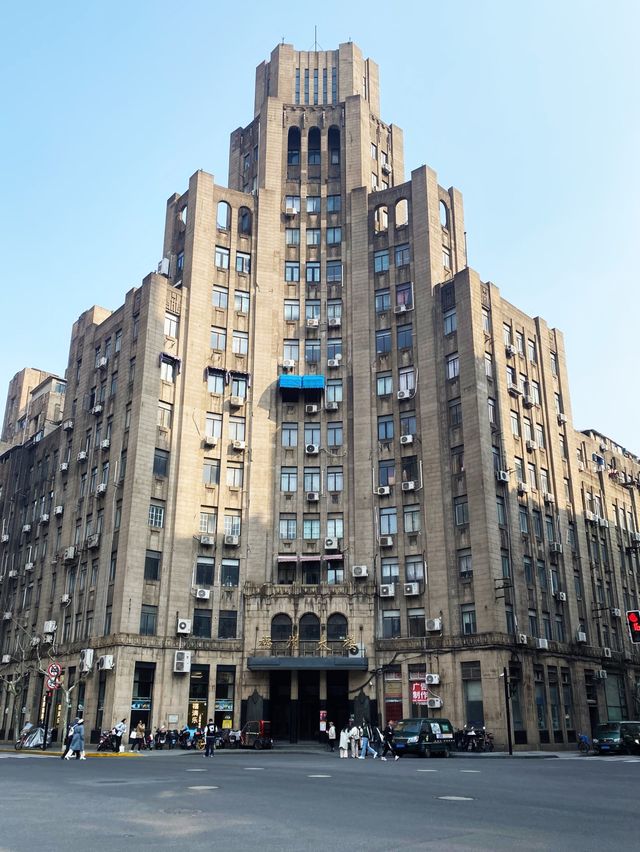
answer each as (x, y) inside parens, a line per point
(316, 46)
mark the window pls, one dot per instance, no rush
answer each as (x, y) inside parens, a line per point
(232, 522)
(334, 272)
(291, 310)
(389, 571)
(289, 434)
(405, 336)
(507, 334)
(540, 436)
(160, 462)
(215, 382)
(230, 572)
(292, 271)
(227, 624)
(334, 479)
(311, 527)
(455, 412)
(384, 384)
(334, 236)
(390, 623)
(312, 433)
(335, 526)
(453, 366)
(222, 257)
(334, 390)
(468, 619)
(388, 521)
(465, 563)
(218, 338)
(502, 518)
(450, 321)
(213, 425)
(381, 261)
(148, 620)
(208, 523)
(313, 236)
(531, 476)
(520, 342)
(156, 516)
(211, 472)
(202, 623)
(241, 302)
(523, 520)
(402, 255)
(292, 236)
(289, 479)
(385, 428)
(237, 428)
(235, 474)
(532, 353)
(334, 203)
(334, 309)
(411, 516)
(170, 325)
(461, 511)
(406, 379)
(167, 371)
(291, 350)
(312, 351)
(554, 363)
(288, 528)
(312, 272)
(240, 342)
(292, 202)
(383, 342)
(334, 348)
(313, 203)
(244, 222)
(488, 365)
(223, 216)
(334, 433)
(312, 479)
(417, 624)
(446, 257)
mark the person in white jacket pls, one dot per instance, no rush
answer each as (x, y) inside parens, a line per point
(354, 737)
(344, 742)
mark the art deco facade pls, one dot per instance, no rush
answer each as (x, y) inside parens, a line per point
(315, 459)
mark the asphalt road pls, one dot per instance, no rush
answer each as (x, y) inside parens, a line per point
(277, 801)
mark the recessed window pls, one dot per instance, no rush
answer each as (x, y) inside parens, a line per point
(152, 565)
(222, 257)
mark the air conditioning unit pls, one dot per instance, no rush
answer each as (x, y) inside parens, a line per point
(28, 566)
(357, 650)
(600, 674)
(555, 547)
(510, 351)
(434, 703)
(561, 596)
(359, 571)
(388, 590)
(231, 540)
(410, 485)
(400, 309)
(7, 616)
(334, 322)
(603, 522)
(635, 536)
(101, 488)
(49, 627)
(64, 467)
(527, 401)
(288, 364)
(514, 390)
(6, 658)
(386, 541)
(562, 419)
(331, 406)
(542, 644)
(405, 394)
(86, 659)
(236, 401)
(44, 519)
(331, 544)
(383, 490)
(548, 497)
(35, 641)
(58, 510)
(105, 444)
(521, 639)
(411, 589)
(406, 439)
(290, 211)
(182, 662)
(26, 528)
(606, 652)
(183, 627)
(502, 475)
(82, 456)
(531, 446)
(386, 168)
(203, 594)
(65, 599)
(210, 441)
(589, 516)
(207, 540)
(93, 541)
(5, 538)
(313, 496)
(97, 409)
(434, 625)
(333, 362)
(581, 637)
(313, 322)
(432, 679)
(105, 663)
(615, 612)
(312, 449)
(311, 409)
(102, 362)
(67, 425)
(69, 554)
(12, 574)
(523, 488)
(239, 445)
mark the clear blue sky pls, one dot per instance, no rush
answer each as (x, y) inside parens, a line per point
(531, 110)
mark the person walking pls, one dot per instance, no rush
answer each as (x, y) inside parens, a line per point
(139, 736)
(67, 741)
(365, 740)
(210, 731)
(77, 741)
(331, 737)
(354, 737)
(387, 736)
(344, 742)
(119, 731)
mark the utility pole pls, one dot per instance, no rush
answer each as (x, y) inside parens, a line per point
(507, 703)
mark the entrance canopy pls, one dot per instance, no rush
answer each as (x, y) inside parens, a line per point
(307, 663)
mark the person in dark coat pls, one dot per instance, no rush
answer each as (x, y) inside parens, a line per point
(67, 741)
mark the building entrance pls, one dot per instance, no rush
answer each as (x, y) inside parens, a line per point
(308, 705)
(280, 705)
(338, 708)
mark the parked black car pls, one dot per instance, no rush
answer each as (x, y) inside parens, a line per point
(423, 737)
(617, 737)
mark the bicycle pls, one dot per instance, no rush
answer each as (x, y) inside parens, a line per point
(584, 745)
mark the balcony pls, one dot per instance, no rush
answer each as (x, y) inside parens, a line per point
(296, 654)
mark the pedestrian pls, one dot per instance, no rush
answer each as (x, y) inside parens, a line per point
(210, 732)
(119, 731)
(366, 739)
(67, 741)
(139, 737)
(77, 741)
(331, 737)
(344, 742)
(387, 736)
(354, 737)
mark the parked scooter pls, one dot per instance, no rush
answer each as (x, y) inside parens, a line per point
(107, 740)
(160, 738)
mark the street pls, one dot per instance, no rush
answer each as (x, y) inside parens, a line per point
(280, 801)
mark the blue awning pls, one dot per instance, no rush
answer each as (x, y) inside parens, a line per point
(289, 381)
(316, 382)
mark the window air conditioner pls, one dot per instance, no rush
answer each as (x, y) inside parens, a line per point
(58, 510)
(432, 679)
(313, 496)
(542, 644)
(383, 490)
(44, 519)
(434, 625)
(405, 394)
(387, 591)
(400, 309)
(333, 362)
(93, 541)
(555, 547)
(606, 652)
(6, 658)
(105, 663)
(531, 446)
(231, 540)
(183, 627)
(548, 497)
(589, 516)
(239, 445)
(64, 467)
(434, 703)
(406, 439)
(236, 401)
(562, 419)
(386, 168)
(49, 627)
(359, 571)
(334, 322)
(410, 485)
(616, 613)
(312, 449)
(502, 475)
(101, 489)
(210, 441)
(581, 637)
(67, 426)
(182, 662)
(65, 599)
(86, 659)
(12, 574)
(514, 390)
(28, 566)
(603, 522)
(288, 364)
(386, 541)
(561, 596)
(290, 211)
(97, 409)
(331, 406)
(527, 401)
(510, 351)
(102, 362)
(69, 554)
(7, 616)
(26, 528)
(601, 674)
(105, 444)
(523, 488)
(206, 540)
(313, 322)
(5, 538)
(411, 589)
(331, 544)
(311, 409)
(203, 594)
(82, 456)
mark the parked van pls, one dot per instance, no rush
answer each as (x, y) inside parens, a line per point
(423, 737)
(621, 737)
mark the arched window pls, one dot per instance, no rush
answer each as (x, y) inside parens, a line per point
(309, 628)
(337, 627)
(182, 215)
(444, 215)
(313, 153)
(281, 627)
(244, 221)
(334, 146)
(293, 147)
(381, 219)
(402, 213)
(223, 217)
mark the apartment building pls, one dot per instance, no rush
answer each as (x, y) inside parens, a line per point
(315, 466)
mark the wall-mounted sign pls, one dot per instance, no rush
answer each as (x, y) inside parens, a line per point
(141, 705)
(224, 705)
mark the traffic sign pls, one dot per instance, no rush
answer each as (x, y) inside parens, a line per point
(52, 683)
(54, 670)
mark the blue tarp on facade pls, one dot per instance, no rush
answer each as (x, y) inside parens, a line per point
(289, 381)
(316, 382)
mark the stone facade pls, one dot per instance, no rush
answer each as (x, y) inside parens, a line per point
(315, 459)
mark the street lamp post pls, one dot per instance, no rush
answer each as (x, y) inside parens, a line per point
(507, 704)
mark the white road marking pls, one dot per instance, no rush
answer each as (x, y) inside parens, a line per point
(195, 770)
(254, 768)
(455, 798)
(426, 770)
(318, 776)
(202, 787)
(470, 770)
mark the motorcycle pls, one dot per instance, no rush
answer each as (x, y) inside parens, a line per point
(107, 741)
(32, 737)
(160, 738)
(191, 738)
(172, 738)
